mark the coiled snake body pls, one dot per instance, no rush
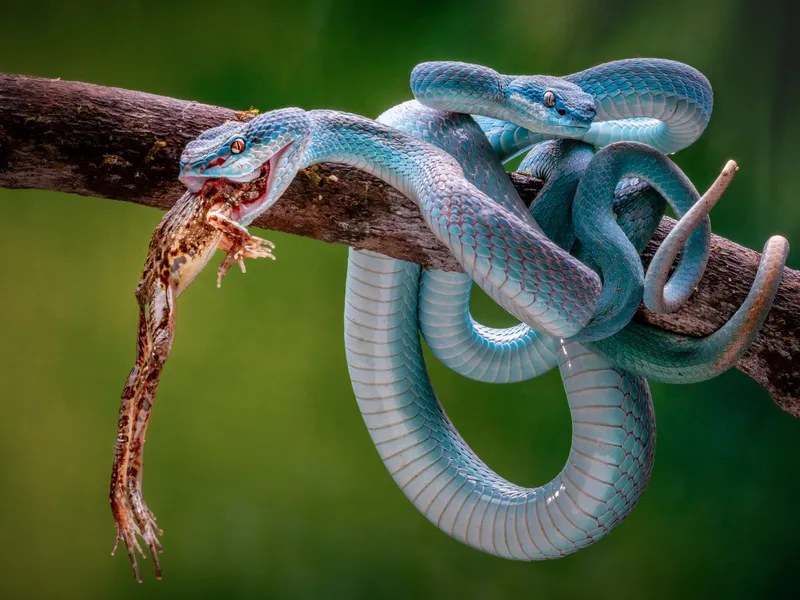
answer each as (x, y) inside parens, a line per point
(471, 207)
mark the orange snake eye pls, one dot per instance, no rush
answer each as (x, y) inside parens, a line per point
(237, 146)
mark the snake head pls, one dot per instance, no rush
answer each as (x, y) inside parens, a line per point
(271, 145)
(549, 105)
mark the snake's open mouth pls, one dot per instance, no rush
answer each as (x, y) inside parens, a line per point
(247, 193)
(232, 191)
(264, 175)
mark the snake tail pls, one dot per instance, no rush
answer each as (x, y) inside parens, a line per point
(672, 358)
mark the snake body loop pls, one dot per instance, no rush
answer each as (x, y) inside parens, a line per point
(610, 249)
(513, 354)
(560, 164)
(608, 465)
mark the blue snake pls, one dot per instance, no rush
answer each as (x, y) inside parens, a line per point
(572, 315)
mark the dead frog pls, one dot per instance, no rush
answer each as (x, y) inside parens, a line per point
(180, 248)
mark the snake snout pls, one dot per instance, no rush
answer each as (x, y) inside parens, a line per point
(584, 116)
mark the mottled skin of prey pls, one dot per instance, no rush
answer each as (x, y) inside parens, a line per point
(180, 248)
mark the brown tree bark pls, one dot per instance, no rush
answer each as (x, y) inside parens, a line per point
(124, 145)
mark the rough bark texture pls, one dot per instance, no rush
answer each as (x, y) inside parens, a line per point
(124, 145)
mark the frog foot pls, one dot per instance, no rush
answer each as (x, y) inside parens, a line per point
(240, 247)
(132, 518)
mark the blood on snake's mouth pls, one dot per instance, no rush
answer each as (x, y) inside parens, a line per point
(264, 180)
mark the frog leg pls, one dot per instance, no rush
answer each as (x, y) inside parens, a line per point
(237, 243)
(131, 514)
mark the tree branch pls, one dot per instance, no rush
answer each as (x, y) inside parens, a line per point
(124, 145)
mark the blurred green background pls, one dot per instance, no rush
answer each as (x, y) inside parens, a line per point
(258, 465)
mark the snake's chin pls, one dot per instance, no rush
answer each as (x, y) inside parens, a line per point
(193, 183)
(572, 130)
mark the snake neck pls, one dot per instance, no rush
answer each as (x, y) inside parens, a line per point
(394, 157)
(462, 88)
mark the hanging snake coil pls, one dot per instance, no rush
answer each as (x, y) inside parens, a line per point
(568, 268)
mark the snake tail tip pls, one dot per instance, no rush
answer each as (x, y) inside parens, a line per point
(780, 242)
(715, 191)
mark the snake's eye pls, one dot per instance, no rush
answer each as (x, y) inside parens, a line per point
(237, 146)
(549, 99)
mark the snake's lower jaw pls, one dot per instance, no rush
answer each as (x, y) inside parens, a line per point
(562, 130)
(573, 131)
(566, 126)
(193, 183)
(242, 212)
